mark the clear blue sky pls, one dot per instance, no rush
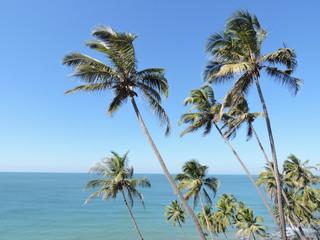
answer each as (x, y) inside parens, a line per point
(43, 130)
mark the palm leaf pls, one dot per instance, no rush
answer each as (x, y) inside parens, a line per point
(283, 77)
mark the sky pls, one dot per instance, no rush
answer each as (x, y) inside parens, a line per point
(43, 130)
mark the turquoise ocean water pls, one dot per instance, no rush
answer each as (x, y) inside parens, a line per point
(49, 206)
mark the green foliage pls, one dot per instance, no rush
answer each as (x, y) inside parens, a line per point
(117, 177)
(230, 212)
(204, 112)
(120, 75)
(236, 53)
(300, 186)
(176, 213)
(194, 180)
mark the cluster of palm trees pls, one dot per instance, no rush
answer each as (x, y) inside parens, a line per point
(235, 53)
(230, 212)
(301, 194)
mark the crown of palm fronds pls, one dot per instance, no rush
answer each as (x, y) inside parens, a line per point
(121, 74)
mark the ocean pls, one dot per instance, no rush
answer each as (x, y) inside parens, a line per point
(49, 206)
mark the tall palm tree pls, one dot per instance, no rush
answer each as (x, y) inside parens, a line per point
(237, 51)
(117, 178)
(239, 114)
(204, 114)
(249, 225)
(125, 81)
(176, 214)
(195, 182)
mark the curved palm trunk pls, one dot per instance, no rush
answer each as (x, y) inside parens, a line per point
(131, 215)
(250, 176)
(206, 218)
(165, 170)
(274, 157)
(295, 218)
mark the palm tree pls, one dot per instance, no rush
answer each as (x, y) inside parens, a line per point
(300, 199)
(225, 214)
(239, 114)
(237, 51)
(249, 225)
(125, 81)
(194, 180)
(117, 178)
(204, 114)
(206, 217)
(297, 173)
(176, 213)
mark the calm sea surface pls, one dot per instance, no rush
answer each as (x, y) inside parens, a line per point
(49, 206)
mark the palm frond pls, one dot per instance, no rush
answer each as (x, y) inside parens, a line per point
(284, 56)
(207, 197)
(120, 47)
(97, 183)
(76, 60)
(158, 110)
(94, 87)
(285, 79)
(117, 102)
(98, 45)
(90, 74)
(154, 78)
(95, 194)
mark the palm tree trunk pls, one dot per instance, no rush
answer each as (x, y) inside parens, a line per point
(165, 170)
(206, 217)
(295, 218)
(274, 157)
(131, 215)
(293, 229)
(249, 175)
(253, 235)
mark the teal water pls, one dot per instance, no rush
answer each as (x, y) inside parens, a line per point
(49, 206)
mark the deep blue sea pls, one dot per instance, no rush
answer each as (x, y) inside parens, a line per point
(49, 206)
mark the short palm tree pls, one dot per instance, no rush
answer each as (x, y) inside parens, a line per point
(225, 213)
(204, 113)
(196, 183)
(298, 174)
(237, 52)
(117, 178)
(125, 81)
(176, 214)
(249, 225)
(206, 217)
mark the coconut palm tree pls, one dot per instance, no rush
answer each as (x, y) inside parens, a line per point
(226, 210)
(122, 78)
(117, 177)
(176, 214)
(239, 114)
(249, 225)
(298, 174)
(195, 182)
(207, 216)
(301, 200)
(237, 52)
(204, 114)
